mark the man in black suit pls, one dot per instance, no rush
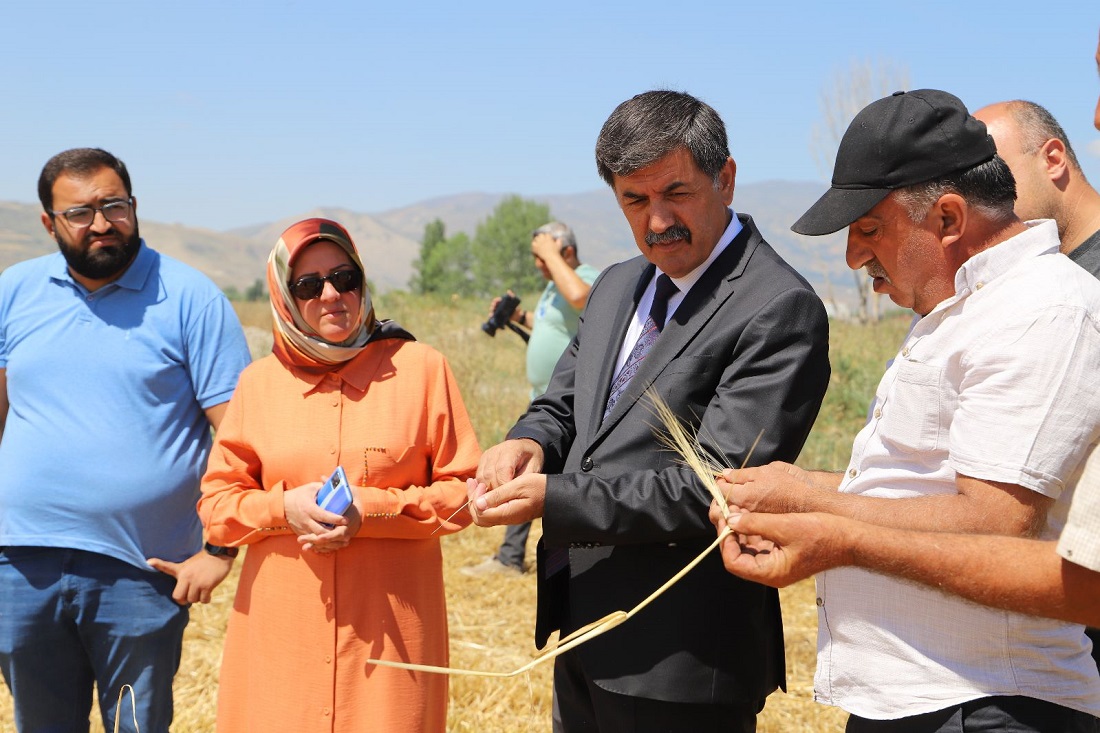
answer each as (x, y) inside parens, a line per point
(739, 346)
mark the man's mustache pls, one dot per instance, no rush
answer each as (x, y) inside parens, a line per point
(673, 233)
(875, 269)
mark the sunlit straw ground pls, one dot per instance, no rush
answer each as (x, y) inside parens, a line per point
(491, 620)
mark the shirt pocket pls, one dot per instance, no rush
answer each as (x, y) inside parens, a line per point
(394, 467)
(911, 413)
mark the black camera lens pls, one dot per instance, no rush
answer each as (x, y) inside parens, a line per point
(501, 314)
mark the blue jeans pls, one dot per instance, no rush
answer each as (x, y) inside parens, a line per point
(70, 619)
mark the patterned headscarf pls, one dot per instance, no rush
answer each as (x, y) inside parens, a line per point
(295, 342)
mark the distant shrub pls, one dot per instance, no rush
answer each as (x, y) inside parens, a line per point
(858, 354)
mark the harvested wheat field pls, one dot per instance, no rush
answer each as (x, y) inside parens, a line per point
(491, 622)
(491, 619)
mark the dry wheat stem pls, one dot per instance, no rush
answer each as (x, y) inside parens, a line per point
(133, 706)
(687, 445)
(676, 437)
(578, 637)
(453, 515)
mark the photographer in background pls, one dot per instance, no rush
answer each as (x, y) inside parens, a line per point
(553, 323)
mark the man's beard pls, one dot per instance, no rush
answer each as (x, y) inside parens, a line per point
(100, 263)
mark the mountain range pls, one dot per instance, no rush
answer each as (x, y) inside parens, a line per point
(389, 241)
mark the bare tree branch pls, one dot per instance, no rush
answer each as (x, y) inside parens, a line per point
(849, 91)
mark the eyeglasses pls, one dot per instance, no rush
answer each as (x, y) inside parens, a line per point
(83, 216)
(311, 286)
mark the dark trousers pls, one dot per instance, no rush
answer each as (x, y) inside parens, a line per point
(581, 706)
(1094, 634)
(988, 715)
(514, 547)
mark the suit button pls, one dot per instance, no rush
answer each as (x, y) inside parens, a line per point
(586, 464)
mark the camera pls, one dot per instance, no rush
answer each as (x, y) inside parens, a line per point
(502, 314)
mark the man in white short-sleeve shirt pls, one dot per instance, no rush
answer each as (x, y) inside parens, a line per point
(981, 424)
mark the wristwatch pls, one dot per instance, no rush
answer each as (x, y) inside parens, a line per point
(220, 551)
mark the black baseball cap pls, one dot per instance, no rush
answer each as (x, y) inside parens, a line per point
(898, 141)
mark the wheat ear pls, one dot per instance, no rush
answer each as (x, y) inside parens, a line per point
(676, 437)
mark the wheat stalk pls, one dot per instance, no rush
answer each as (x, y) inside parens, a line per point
(685, 443)
(578, 637)
(675, 436)
(133, 707)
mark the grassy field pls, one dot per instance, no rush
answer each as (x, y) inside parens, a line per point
(491, 621)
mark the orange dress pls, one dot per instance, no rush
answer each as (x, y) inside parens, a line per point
(303, 624)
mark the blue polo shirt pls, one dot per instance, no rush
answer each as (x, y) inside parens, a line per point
(105, 439)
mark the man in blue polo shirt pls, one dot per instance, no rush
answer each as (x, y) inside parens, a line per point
(115, 361)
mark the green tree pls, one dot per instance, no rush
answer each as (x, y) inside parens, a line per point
(502, 248)
(426, 267)
(455, 272)
(256, 291)
(444, 265)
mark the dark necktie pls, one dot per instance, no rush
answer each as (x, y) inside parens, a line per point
(650, 331)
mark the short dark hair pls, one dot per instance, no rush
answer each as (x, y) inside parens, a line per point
(1037, 125)
(988, 187)
(649, 126)
(78, 162)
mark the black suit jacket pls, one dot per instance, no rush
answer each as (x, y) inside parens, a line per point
(746, 351)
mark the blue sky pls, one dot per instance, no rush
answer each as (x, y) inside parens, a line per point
(233, 113)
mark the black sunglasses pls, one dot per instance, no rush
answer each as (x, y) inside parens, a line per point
(311, 286)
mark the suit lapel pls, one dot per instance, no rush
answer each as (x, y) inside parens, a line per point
(600, 386)
(694, 312)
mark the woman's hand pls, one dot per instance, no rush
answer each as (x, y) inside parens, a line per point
(336, 538)
(304, 516)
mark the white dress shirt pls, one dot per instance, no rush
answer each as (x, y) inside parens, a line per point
(1080, 540)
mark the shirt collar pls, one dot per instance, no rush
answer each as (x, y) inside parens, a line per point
(1040, 238)
(356, 373)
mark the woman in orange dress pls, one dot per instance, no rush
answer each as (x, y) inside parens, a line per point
(314, 602)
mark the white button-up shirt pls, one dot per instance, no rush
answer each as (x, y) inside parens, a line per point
(1080, 540)
(996, 383)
